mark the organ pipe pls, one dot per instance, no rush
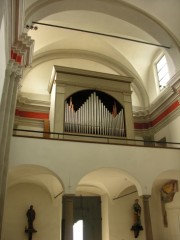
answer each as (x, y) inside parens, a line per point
(94, 118)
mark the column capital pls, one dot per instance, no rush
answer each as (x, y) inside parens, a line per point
(15, 76)
(14, 68)
(22, 50)
(146, 197)
(70, 195)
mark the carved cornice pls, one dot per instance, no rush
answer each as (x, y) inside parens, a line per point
(22, 50)
(162, 111)
(85, 78)
(27, 104)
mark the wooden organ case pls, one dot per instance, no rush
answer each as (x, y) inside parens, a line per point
(90, 103)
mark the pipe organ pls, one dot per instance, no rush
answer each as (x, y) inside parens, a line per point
(93, 117)
(90, 103)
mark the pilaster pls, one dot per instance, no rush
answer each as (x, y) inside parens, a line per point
(68, 216)
(59, 108)
(7, 110)
(128, 115)
(147, 217)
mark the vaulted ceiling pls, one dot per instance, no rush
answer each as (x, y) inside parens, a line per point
(154, 22)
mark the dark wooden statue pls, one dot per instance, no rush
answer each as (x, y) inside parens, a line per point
(31, 215)
(136, 227)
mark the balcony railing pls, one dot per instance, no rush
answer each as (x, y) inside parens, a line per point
(93, 139)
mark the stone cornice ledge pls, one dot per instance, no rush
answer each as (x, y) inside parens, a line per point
(162, 111)
(169, 95)
(28, 104)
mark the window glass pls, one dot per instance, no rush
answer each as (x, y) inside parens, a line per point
(162, 72)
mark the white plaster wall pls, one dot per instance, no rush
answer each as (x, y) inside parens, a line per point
(171, 132)
(37, 80)
(157, 10)
(30, 128)
(3, 57)
(72, 159)
(18, 199)
(152, 87)
(117, 215)
(156, 214)
(121, 218)
(173, 215)
(105, 217)
(78, 159)
(52, 108)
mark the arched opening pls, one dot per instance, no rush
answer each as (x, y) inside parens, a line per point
(37, 186)
(116, 190)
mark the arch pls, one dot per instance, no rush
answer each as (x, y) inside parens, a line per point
(107, 61)
(37, 175)
(107, 180)
(29, 186)
(41, 9)
(166, 176)
(120, 10)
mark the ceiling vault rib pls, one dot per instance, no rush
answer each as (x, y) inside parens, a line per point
(102, 34)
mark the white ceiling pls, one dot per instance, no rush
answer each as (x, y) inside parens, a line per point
(153, 22)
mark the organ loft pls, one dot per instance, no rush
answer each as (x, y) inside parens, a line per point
(90, 103)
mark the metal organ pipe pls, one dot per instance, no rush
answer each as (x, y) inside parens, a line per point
(94, 118)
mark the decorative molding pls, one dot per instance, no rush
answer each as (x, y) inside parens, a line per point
(162, 111)
(33, 104)
(22, 50)
(60, 75)
(35, 115)
(152, 126)
(141, 128)
(28, 122)
(14, 68)
(142, 125)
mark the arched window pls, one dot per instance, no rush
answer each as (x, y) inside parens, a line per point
(162, 72)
